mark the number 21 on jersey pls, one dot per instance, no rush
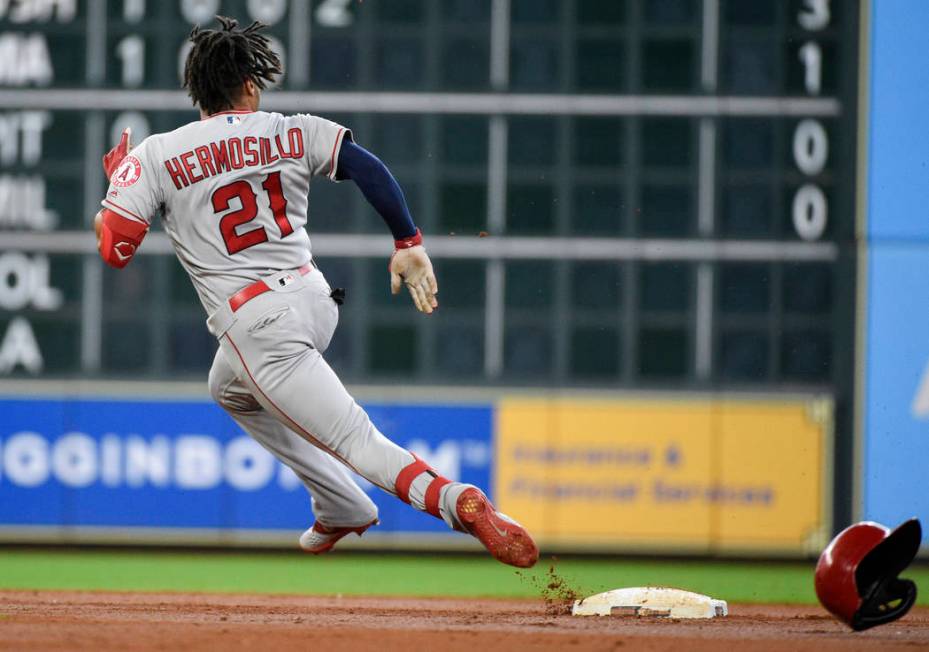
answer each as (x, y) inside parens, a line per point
(237, 241)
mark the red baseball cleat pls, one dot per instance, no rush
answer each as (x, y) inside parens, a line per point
(504, 538)
(321, 538)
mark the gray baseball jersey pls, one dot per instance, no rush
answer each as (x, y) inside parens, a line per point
(234, 193)
(234, 189)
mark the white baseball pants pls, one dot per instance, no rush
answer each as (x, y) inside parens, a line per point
(271, 377)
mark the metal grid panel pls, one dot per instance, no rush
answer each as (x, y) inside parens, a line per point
(630, 121)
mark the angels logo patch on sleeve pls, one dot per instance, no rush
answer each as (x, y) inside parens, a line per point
(128, 172)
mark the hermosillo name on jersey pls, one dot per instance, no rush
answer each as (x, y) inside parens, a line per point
(232, 154)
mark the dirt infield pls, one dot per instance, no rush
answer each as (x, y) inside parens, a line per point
(46, 620)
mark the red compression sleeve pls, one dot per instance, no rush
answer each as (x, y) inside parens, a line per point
(412, 241)
(119, 238)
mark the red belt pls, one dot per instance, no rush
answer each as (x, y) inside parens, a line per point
(249, 292)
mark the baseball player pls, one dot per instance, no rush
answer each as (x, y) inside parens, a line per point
(232, 189)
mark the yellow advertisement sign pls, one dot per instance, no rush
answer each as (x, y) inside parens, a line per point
(689, 475)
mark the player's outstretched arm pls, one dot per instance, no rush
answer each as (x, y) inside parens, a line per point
(409, 265)
(117, 237)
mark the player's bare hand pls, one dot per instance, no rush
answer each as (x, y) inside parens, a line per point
(115, 156)
(412, 268)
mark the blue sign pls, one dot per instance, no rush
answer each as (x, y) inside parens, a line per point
(898, 142)
(186, 464)
(896, 446)
(896, 357)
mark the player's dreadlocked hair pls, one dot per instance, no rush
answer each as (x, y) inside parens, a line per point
(222, 59)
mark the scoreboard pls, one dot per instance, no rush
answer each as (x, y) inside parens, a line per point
(668, 186)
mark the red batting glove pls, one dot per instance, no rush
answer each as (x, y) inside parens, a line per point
(115, 156)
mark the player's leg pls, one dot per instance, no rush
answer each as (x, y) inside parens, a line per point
(339, 504)
(286, 373)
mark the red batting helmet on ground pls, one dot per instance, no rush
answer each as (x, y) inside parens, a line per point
(856, 577)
